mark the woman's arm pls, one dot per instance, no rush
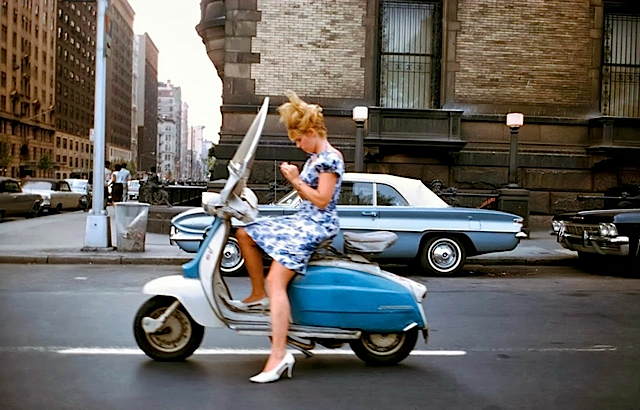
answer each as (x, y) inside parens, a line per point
(320, 196)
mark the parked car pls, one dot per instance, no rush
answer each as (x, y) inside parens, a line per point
(439, 237)
(605, 232)
(133, 189)
(13, 201)
(82, 186)
(56, 194)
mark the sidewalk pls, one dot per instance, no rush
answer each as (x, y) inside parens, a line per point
(58, 239)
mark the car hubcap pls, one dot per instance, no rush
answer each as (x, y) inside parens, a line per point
(231, 255)
(444, 255)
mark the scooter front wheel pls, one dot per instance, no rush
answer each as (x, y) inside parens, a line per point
(176, 340)
(384, 349)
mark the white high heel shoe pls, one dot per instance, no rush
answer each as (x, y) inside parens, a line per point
(261, 304)
(276, 373)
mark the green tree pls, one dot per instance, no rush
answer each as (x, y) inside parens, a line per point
(45, 163)
(5, 155)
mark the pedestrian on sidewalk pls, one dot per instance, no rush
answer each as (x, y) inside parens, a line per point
(107, 182)
(123, 177)
(116, 187)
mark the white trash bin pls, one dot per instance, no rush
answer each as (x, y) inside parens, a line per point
(131, 226)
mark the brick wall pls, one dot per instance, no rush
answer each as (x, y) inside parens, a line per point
(535, 52)
(310, 46)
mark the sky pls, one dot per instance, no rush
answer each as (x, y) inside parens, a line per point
(183, 57)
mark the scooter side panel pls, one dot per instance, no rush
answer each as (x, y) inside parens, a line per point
(337, 297)
(190, 294)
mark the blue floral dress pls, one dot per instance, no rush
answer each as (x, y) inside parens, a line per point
(292, 239)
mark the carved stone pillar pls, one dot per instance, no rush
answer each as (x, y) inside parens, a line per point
(212, 31)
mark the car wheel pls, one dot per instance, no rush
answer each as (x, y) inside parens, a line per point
(58, 208)
(442, 256)
(83, 203)
(232, 261)
(35, 210)
(1, 214)
(634, 255)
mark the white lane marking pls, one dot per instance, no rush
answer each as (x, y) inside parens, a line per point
(204, 352)
(81, 278)
(323, 352)
(340, 352)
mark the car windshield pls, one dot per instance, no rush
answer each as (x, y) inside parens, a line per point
(38, 185)
(77, 185)
(290, 199)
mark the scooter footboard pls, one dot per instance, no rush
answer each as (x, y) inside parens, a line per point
(190, 294)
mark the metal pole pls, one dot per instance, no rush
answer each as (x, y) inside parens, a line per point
(359, 154)
(513, 158)
(98, 232)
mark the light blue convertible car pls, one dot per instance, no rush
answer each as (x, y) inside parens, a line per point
(430, 232)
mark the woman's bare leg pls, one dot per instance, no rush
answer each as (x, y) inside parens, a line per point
(253, 262)
(277, 281)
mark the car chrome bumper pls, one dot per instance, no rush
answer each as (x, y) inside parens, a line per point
(602, 245)
(185, 241)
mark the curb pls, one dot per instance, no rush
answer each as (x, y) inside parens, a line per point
(89, 260)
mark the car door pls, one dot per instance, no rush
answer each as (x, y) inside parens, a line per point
(8, 198)
(395, 215)
(355, 209)
(67, 197)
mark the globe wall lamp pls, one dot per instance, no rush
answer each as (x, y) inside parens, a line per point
(514, 122)
(360, 116)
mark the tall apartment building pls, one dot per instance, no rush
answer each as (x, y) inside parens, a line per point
(169, 128)
(145, 107)
(75, 85)
(27, 87)
(194, 153)
(183, 163)
(439, 77)
(119, 79)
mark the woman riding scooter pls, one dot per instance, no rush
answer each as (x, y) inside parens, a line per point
(291, 240)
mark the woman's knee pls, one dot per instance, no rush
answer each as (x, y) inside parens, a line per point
(243, 237)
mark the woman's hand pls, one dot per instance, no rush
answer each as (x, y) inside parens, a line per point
(289, 171)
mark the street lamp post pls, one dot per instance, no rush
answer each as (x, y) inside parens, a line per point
(514, 122)
(98, 228)
(360, 115)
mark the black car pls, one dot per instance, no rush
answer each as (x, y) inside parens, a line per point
(606, 232)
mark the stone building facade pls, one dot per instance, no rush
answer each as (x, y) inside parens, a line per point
(145, 101)
(169, 129)
(75, 85)
(27, 87)
(438, 78)
(119, 78)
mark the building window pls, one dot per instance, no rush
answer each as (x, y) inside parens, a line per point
(621, 64)
(410, 36)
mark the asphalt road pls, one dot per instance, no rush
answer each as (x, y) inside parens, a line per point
(501, 338)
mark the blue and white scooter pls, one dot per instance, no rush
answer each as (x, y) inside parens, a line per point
(341, 298)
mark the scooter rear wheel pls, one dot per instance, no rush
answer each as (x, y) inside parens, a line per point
(176, 340)
(383, 349)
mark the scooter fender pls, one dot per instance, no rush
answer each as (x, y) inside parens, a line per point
(190, 294)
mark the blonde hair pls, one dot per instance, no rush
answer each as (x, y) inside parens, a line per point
(299, 117)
